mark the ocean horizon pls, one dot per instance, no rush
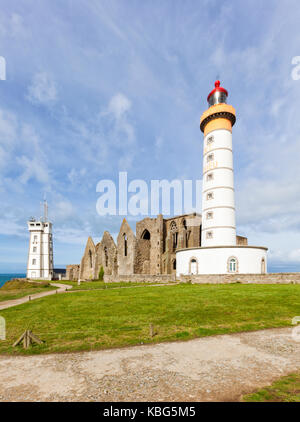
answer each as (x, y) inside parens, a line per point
(6, 277)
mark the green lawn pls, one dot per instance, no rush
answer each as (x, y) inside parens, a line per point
(96, 285)
(286, 389)
(17, 289)
(107, 318)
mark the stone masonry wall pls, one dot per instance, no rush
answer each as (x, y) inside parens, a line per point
(141, 278)
(271, 278)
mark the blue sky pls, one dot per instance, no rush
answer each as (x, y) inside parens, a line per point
(98, 87)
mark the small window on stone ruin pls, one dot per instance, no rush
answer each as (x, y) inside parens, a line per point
(125, 244)
(174, 264)
(106, 256)
(209, 196)
(91, 259)
(210, 157)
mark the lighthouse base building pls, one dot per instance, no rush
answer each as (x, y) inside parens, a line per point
(219, 252)
(222, 260)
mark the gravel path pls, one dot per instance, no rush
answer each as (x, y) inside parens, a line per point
(219, 368)
(61, 288)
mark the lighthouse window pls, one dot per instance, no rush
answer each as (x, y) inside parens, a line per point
(210, 177)
(34, 249)
(232, 265)
(35, 238)
(209, 235)
(210, 157)
(33, 261)
(209, 196)
(209, 215)
(210, 140)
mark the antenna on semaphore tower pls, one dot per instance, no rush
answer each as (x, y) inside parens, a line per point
(45, 209)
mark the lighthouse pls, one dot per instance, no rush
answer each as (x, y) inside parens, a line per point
(218, 205)
(220, 252)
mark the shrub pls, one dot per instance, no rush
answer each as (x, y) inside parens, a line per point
(101, 274)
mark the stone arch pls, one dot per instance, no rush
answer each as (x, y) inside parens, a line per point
(146, 235)
(193, 265)
(232, 265)
(174, 264)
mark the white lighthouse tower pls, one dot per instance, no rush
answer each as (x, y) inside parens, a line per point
(218, 206)
(219, 252)
(40, 254)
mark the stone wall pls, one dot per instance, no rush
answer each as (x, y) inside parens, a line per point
(141, 278)
(272, 278)
(72, 272)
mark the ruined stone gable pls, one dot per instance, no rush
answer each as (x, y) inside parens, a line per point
(149, 237)
(126, 249)
(87, 265)
(106, 255)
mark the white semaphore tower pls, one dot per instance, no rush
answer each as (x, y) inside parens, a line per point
(40, 254)
(220, 253)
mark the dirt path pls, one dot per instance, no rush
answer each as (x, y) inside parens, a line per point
(61, 288)
(212, 368)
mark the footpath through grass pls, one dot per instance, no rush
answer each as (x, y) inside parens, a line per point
(286, 389)
(107, 318)
(16, 289)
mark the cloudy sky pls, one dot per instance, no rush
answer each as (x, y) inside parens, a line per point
(96, 87)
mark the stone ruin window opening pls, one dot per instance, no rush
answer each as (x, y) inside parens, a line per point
(91, 259)
(106, 256)
(125, 244)
(146, 235)
(174, 264)
(175, 240)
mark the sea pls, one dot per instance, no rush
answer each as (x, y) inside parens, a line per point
(6, 277)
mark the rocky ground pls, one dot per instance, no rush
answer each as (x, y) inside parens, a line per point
(207, 369)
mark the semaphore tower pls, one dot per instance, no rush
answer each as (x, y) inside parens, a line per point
(40, 253)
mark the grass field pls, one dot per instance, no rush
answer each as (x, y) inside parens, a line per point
(96, 285)
(17, 289)
(107, 318)
(286, 389)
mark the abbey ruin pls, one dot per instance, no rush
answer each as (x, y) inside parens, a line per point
(151, 251)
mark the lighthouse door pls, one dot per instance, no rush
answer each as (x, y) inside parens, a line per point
(193, 266)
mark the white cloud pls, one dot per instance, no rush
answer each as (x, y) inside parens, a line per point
(119, 105)
(42, 89)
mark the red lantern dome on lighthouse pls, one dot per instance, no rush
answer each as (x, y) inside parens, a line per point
(218, 95)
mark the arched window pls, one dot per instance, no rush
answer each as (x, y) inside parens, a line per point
(184, 224)
(146, 235)
(91, 259)
(106, 256)
(263, 266)
(232, 265)
(173, 226)
(174, 264)
(125, 244)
